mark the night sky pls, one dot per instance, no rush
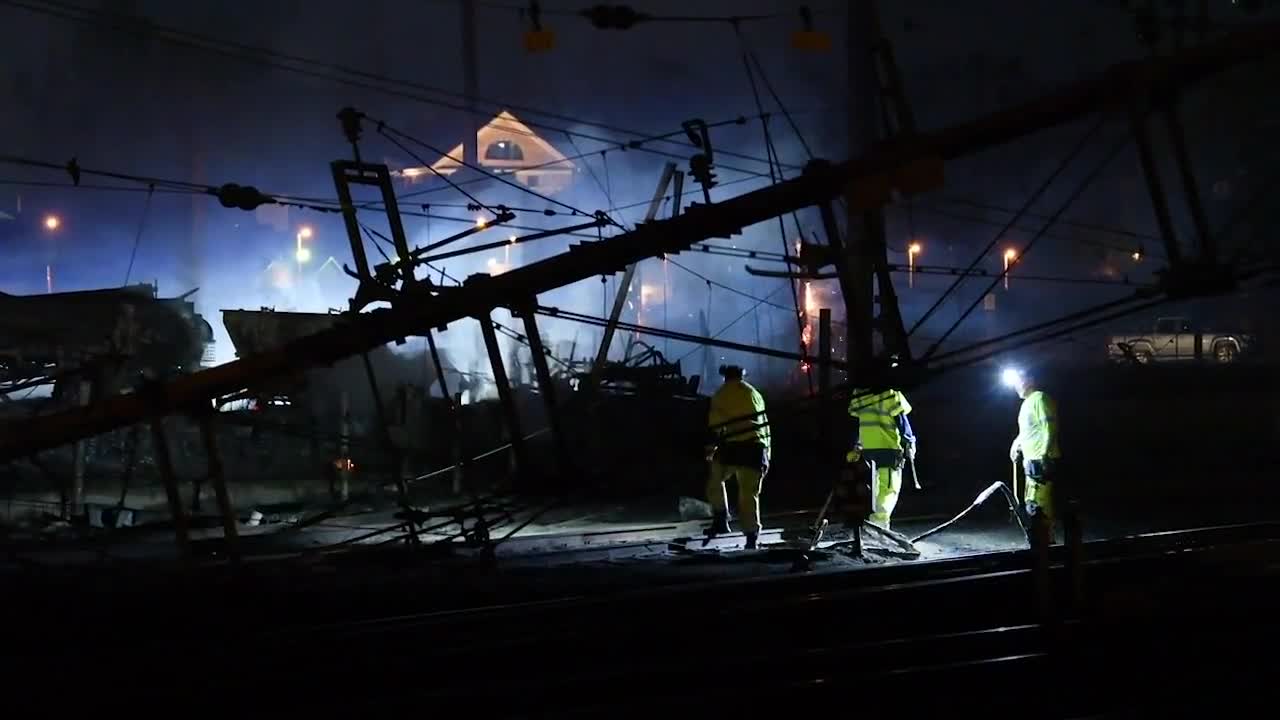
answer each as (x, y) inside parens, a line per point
(156, 100)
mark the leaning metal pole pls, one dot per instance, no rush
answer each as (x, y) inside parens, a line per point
(821, 182)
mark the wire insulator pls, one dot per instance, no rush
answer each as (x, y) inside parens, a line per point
(614, 17)
(243, 197)
(350, 119)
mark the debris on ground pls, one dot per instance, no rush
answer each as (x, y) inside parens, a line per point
(694, 509)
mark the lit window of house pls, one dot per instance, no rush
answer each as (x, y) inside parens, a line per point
(503, 150)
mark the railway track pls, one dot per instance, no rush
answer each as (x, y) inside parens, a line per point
(968, 630)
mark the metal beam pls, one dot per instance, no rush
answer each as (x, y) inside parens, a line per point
(624, 287)
(345, 174)
(827, 416)
(547, 388)
(397, 456)
(164, 464)
(1155, 187)
(510, 412)
(1190, 189)
(217, 478)
(704, 340)
(819, 183)
(470, 80)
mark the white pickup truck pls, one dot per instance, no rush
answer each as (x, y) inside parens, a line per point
(1175, 338)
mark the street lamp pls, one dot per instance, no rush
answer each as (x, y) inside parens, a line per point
(302, 253)
(51, 223)
(912, 251)
(1010, 256)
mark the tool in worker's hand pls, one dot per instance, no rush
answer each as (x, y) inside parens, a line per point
(1013, 482)
(915, 476)
(820, 524)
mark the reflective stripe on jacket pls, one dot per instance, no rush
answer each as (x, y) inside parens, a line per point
(737, 415)
(877, 415)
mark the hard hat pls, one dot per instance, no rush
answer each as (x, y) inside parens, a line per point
(732, 372)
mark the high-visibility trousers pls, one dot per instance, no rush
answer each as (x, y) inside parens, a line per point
(1038, 499)
(750, 481)
(887, 486)
(1039, 494)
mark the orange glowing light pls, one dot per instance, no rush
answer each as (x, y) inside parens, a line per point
(304, 232)
(914, 249)
(480, 222)
(52, 222)
(1010, 254)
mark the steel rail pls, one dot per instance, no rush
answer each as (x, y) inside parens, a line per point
(778, 592)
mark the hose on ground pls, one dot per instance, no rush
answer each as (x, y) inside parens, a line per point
(982, 497)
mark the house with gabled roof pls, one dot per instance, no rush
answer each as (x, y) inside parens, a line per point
(506, 146)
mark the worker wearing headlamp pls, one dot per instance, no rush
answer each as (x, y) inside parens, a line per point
(741, 448)
(1036, 445)
(887, 442)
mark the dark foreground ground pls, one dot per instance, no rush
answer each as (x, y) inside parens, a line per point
(559, 622)
(1162, 626)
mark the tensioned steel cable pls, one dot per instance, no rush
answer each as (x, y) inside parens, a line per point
(1075, 195)
(124, 23)
(1026, 206)
(386, 130)
(773, 180)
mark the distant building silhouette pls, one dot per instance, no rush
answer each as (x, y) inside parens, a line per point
(506, 145)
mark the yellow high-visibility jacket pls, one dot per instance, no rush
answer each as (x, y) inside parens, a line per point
(737, 414)
(1037, 428)
(877, 418)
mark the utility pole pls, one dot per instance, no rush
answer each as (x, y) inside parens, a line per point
(878, 109)
(470, 81)
(861, 133)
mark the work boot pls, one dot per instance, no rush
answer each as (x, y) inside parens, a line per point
(753, 540)
(719, 526)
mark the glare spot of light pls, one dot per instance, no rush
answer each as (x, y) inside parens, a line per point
(1010, 377)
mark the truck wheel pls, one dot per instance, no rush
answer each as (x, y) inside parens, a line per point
(1143, 356)
(1224, 352)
